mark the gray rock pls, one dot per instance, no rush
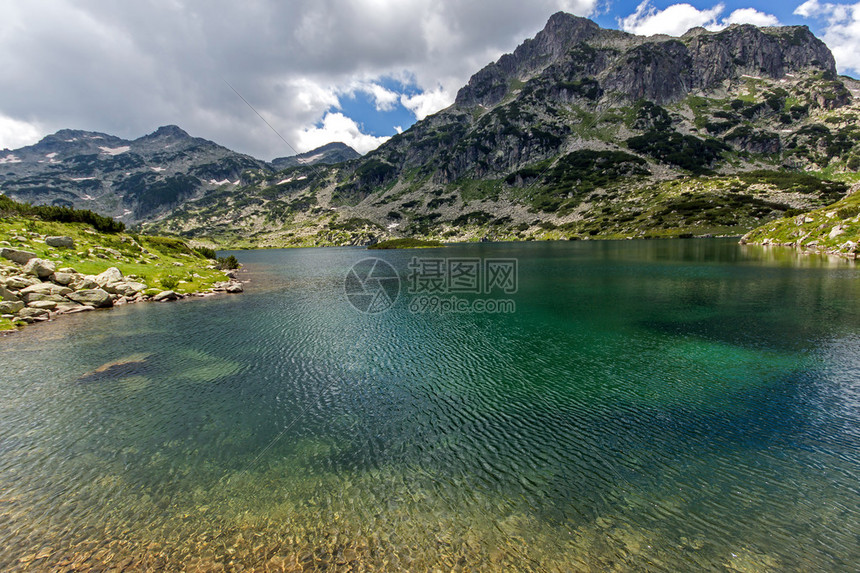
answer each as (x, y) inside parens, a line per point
(125, 288)
(111, 275)
(235, 287)
(26, 313)
(43, 304)
(96, 297)
(19, 282)
(35, 297)
(165, 296)
(39, 267)
(44, 291)
(60, 242)
(62, 278)
(20, 257)
(10, 306)
(79, 308)
(82, 282)
(44, 288)
(7, 294)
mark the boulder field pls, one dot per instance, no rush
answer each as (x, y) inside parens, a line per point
(35, 290)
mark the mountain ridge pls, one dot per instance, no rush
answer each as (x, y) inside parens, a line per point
(581, 132)
(132, 180)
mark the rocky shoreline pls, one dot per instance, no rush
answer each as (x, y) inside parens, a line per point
(37, 290)
(849, 250)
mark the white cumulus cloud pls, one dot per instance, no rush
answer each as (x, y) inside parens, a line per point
(751, 16)
(676, 19)
(337, 127)
(427, 102)
(15, 133)
(841, 30)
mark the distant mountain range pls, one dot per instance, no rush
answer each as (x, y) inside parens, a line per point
(137, 180)
(328, 154)
(581, 132)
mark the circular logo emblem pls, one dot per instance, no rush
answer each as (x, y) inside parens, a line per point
(372, 285)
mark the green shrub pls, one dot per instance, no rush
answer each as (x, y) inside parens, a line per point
(169, 282)
(167, 244)
(686, 151)
(227, 263)
(206, 252)
(61, 215)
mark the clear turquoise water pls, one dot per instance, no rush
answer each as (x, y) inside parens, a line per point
(655, 405)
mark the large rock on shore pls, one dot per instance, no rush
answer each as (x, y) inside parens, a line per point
(95, 297)
(125, 288)
(42, 291)
(33, 314)
(112, 275)
(10, 306)
(7, 294)
(165, 296)
(62, 278)
(19, 282)
(20, 257)
(39, 267)
(60, 242)
(83, 282)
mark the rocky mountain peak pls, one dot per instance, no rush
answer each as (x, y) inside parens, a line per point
(168, 131)
(660, 68)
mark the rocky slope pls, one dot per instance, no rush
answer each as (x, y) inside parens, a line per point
(581, 132)
(834, 229)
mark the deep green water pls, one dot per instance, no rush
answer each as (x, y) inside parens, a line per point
(654, 405)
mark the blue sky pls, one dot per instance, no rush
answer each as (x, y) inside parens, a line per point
(355, 71)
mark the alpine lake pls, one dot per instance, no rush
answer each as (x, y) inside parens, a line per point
(674, 405)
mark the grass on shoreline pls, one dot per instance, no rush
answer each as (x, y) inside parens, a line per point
(150, 259)
(406, 243)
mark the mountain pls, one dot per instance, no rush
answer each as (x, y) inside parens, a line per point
(327, 154)
(581, 132)
(137, 180)
(130, 180)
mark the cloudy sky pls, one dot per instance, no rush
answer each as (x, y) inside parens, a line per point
(355, 71)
